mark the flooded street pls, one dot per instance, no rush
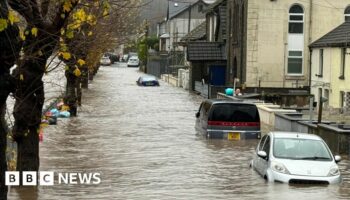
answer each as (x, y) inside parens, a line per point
(142, 141)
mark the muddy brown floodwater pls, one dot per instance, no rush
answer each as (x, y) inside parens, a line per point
(142, 141)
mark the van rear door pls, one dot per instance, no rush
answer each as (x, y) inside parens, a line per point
(234, 117)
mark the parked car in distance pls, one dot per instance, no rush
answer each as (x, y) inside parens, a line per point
(133, 62)
(227, 119)
(290, 157)
(113, 57)
(105, 61)
(147, 80)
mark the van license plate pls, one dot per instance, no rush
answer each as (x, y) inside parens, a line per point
(234, 136)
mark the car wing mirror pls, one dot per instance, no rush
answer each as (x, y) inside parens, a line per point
(262, 154)
(197, 114)
(337, 158)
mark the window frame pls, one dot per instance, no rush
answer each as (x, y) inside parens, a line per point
(320, 64)
(291, 14)
(302, 62)
(342, 63)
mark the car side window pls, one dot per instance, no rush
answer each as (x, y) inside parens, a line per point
(204, 108)
(266, 147)
(261, 144)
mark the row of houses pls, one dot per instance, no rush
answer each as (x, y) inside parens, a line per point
(264, 45)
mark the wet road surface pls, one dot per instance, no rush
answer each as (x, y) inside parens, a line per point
(142, 141)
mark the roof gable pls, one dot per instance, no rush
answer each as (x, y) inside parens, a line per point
(338, 37)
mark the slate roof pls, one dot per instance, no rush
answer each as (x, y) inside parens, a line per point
(213, 5)
(197, 33)
(338, 37)
(205, 51)
(174, 10)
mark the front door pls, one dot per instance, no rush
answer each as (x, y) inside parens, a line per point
(217, 74)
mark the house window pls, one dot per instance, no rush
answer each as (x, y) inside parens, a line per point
(295, 62)
(296, 20)
(347, 14)
(326, 95)
(200, 7)
(342, 63)
(342, 99)
(320, 69)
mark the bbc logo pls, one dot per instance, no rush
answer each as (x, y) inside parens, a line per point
(29, 178)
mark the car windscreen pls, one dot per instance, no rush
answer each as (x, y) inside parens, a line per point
(300, 149)
(229, 112)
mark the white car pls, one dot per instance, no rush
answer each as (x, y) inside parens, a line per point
(290, 157)
(105, 61)
(133, 61)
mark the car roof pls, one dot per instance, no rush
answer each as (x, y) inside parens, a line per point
(282, 134)
(230, 101)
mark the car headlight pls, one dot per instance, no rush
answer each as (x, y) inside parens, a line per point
(334, 171)
(279, 167)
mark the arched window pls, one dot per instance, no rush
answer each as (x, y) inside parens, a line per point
(296, 19)
(347, 14)
(296, 40)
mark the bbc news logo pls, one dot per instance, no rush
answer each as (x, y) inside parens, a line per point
(47, 178)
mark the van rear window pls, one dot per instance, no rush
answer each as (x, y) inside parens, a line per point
(234, 113)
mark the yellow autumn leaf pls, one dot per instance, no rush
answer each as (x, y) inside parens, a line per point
(105, 12)
(81, 62)
(12, 17)
(21, 77)
(77, 72)
(67, 6)
(66, 68)
(90, 33)
(69, 34)
(3, 24)
(80, 15)
(21, 35)
(66, 55)
(34, 31)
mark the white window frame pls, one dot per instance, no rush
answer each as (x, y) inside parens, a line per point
(302, 62)
(296, 21)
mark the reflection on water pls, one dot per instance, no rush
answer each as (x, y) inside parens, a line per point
(142, 141)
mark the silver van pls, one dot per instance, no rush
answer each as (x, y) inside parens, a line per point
(232, 120)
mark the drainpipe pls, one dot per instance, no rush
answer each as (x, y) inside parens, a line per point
(310, 40)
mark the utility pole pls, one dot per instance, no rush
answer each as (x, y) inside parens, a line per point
(189, 18)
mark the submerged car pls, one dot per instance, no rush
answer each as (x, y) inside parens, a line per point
(147, 81)
(105, 61)
(226, 119)
(290, 157)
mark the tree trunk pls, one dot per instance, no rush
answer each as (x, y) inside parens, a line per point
(10, 47)
(71, 97)
(84, 77)
(3, 164)
(27, 114)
